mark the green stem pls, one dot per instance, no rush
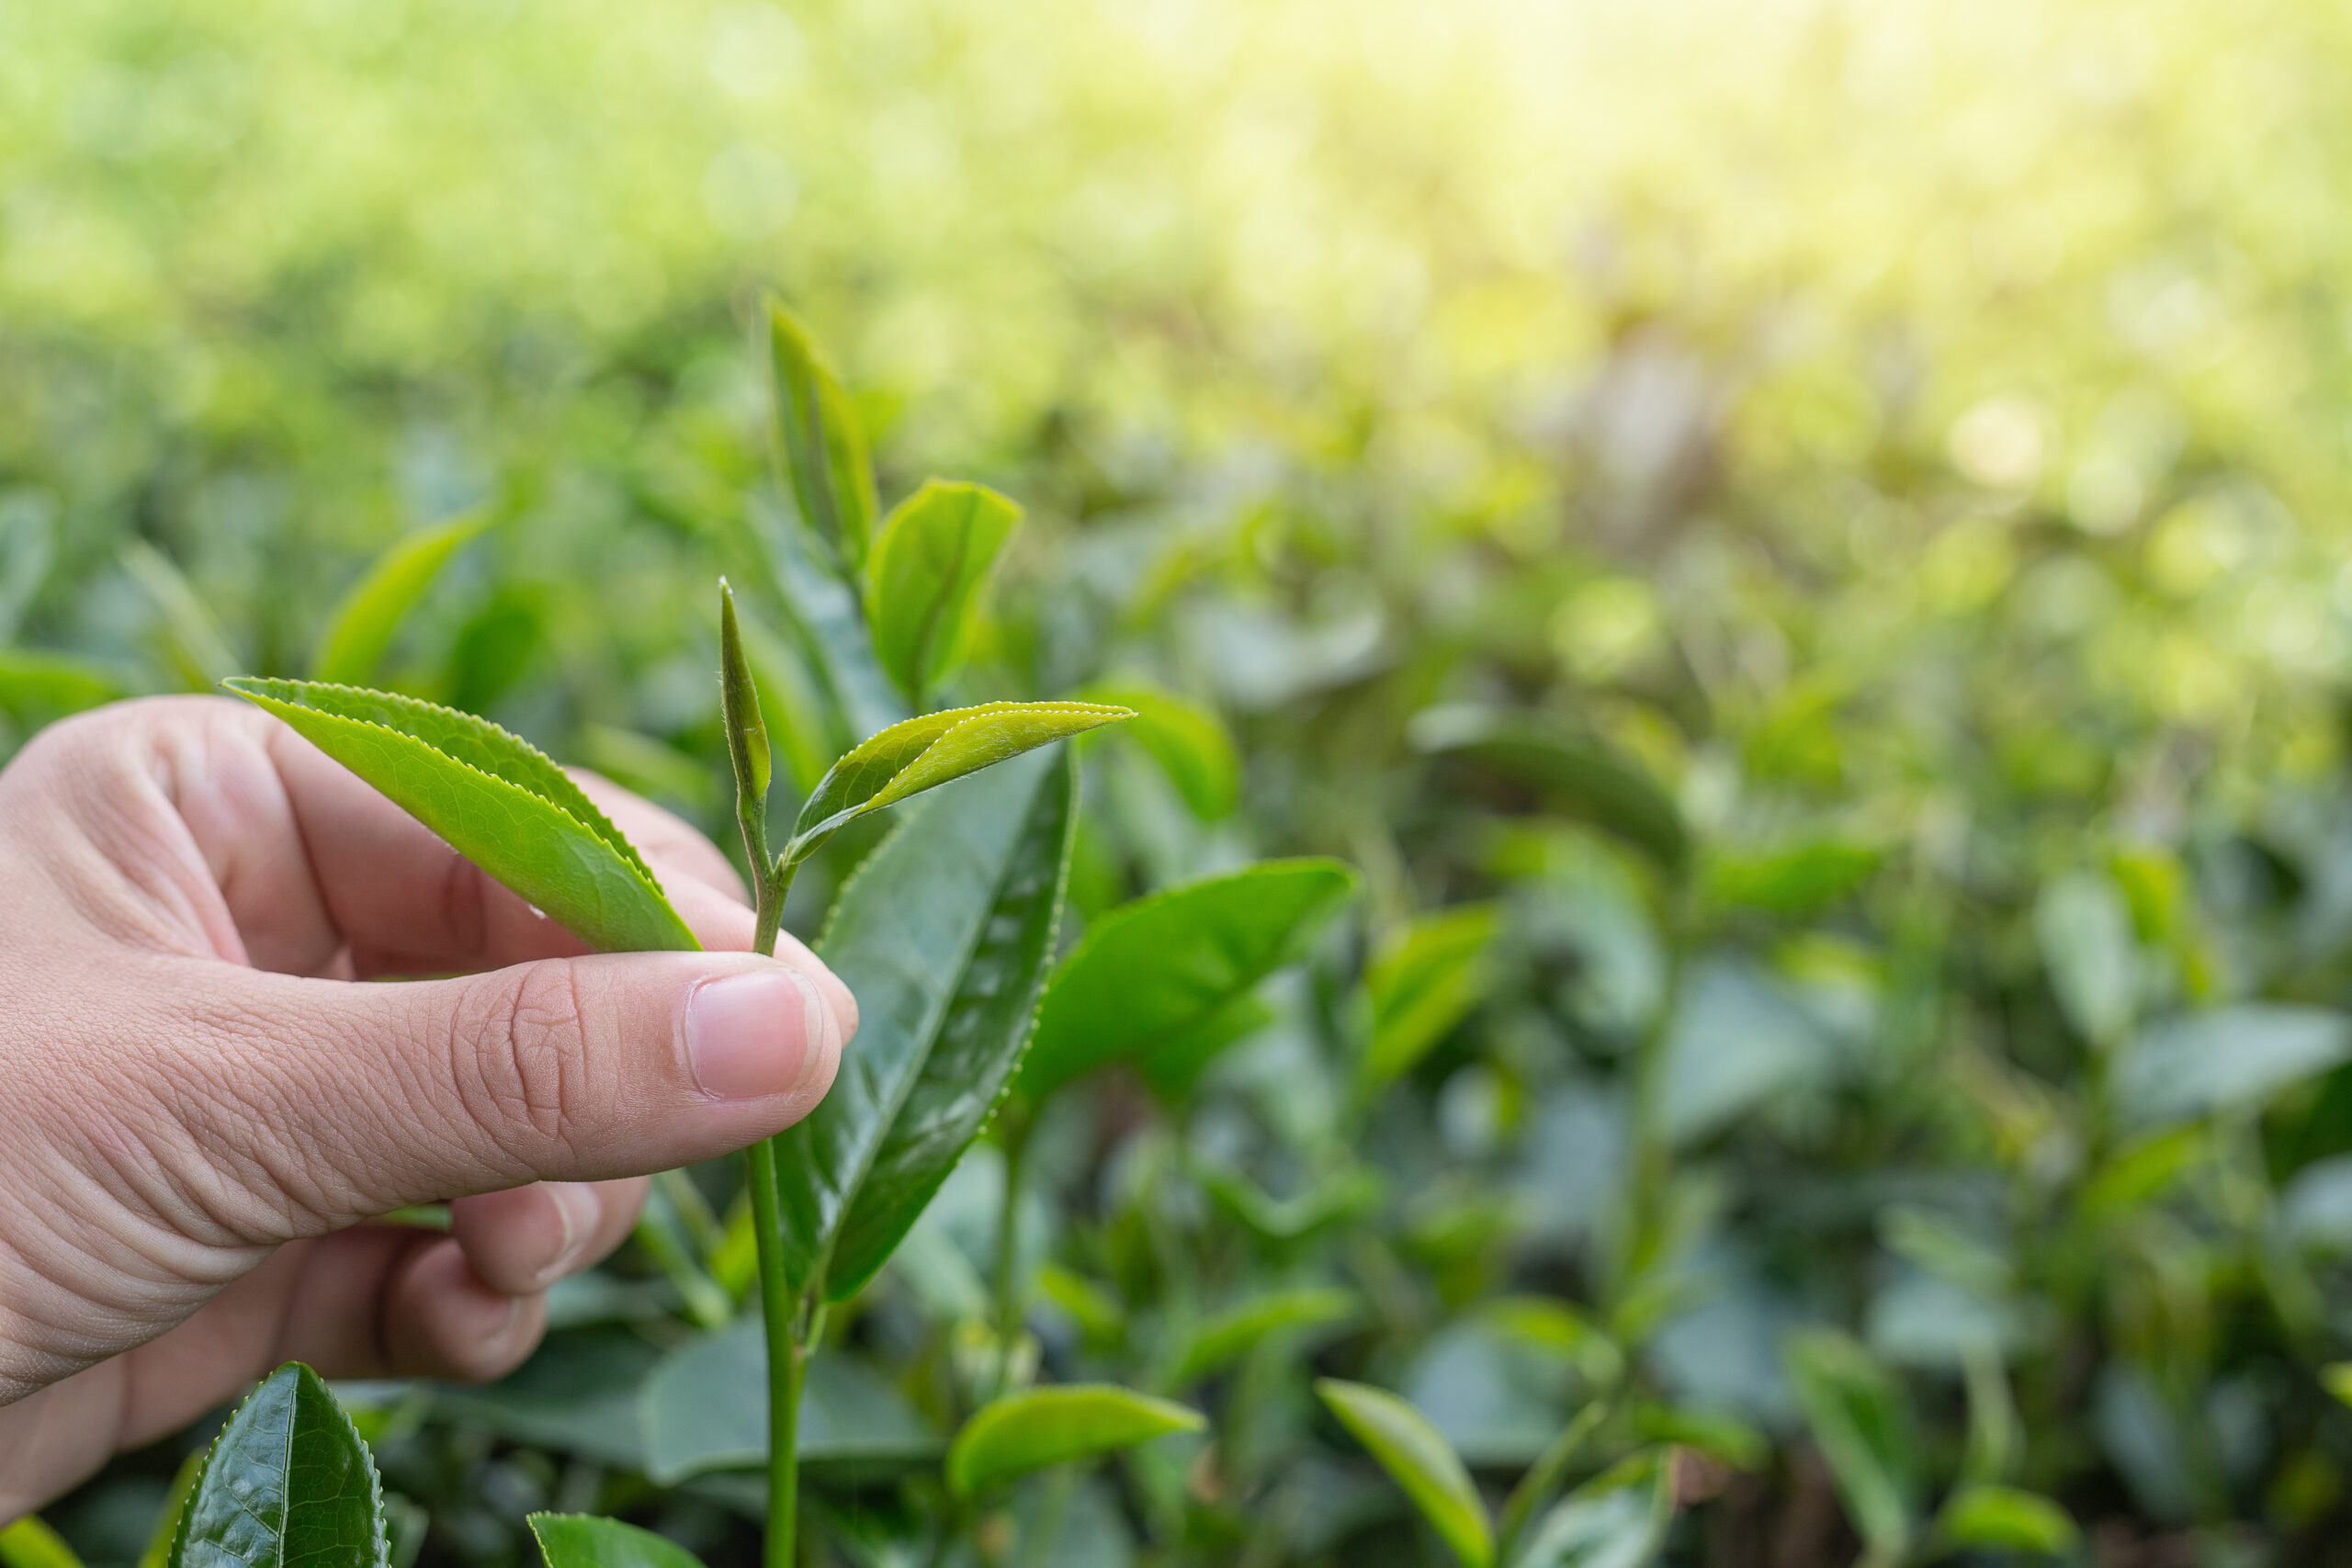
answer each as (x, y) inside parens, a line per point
(786, 1363)
(1008, 1258)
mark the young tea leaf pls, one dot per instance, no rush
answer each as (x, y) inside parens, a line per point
(498, 801)
(363, 625)
(287, 1481)
(747, 730)
(822, 447)
(924, 576)
(1419, 1459)
(945, 936)
(1216, 1341)
(1618, 1520)
(1155, 968)
(1426, 977)
(30, 1543)
(928, 750)
(1858, 1415)
(578, 1540)
(1028, 1431)
(2003, 1518)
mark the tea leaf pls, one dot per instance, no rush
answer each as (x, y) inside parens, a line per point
(1173, 1064)
(363, 625)
(578, 1540)
(943, 935)
(823, 447)
(158, 1553)
(928, 750)
(2229, 1058)
(706, 1407)
(2003, 1518)
(747, 730)
(287, 1481)
(1858, 1415)
(924, 576)
(498, 801)
(1231, 1334)
(1425, 979)
(1188, 741)
(822, 615)
(1420, 1460)
(1580, 774)
(1028, 1431)
(193, 639)
(1618, 1520)
(30, 1543)
(1152, 969)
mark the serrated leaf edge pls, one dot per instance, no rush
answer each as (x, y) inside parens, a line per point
(595, 822)
(375, 1477)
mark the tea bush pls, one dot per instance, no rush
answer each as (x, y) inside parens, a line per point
(1766, 581)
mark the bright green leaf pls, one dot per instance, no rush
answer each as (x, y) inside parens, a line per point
(1155, 968)
(1794, 880)
(1859, 1416)
(822, 445)
(945, 936)
(363, 625)
(1420, 1460)
(1427, 976)
(1028, 1431)
(1618, 1520)
(577, 1541)
(1222, 1339)
(1173, 1066)
(287, 1481)
(747, 729)
(2003, 1518)
(37, 687)
(158, 1553)
(924, 577)
(30, 1543)
(2336, 1378)
(1189, 742)
(496, 799)
(930, 750)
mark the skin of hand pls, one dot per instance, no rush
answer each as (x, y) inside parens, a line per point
(208, 1099)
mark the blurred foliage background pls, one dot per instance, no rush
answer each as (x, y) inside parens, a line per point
(1916, 438)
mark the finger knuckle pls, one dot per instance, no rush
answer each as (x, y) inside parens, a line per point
(523, 1071)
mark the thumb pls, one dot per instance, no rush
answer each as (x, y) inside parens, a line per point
(569, 1070)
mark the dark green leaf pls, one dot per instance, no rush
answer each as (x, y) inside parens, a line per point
(1859, 1416)
(1580, 775)
(943, 935)
(496, 799)
(924, 576)
(363, 625)
(1028, 1431)
(931, 749)
(1427, 976)
(1188, 741)
(706, 1407)
(1155, 968)
(820, 615)
(822, 445)
(577, 1541)
(577, 1394)
(2003, 1518)
(1418, 1460)
(288, 1484)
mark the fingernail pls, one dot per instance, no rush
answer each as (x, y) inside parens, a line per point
(576, 1211)
(751, 1034)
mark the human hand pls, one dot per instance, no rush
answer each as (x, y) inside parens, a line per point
(207, 1106)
